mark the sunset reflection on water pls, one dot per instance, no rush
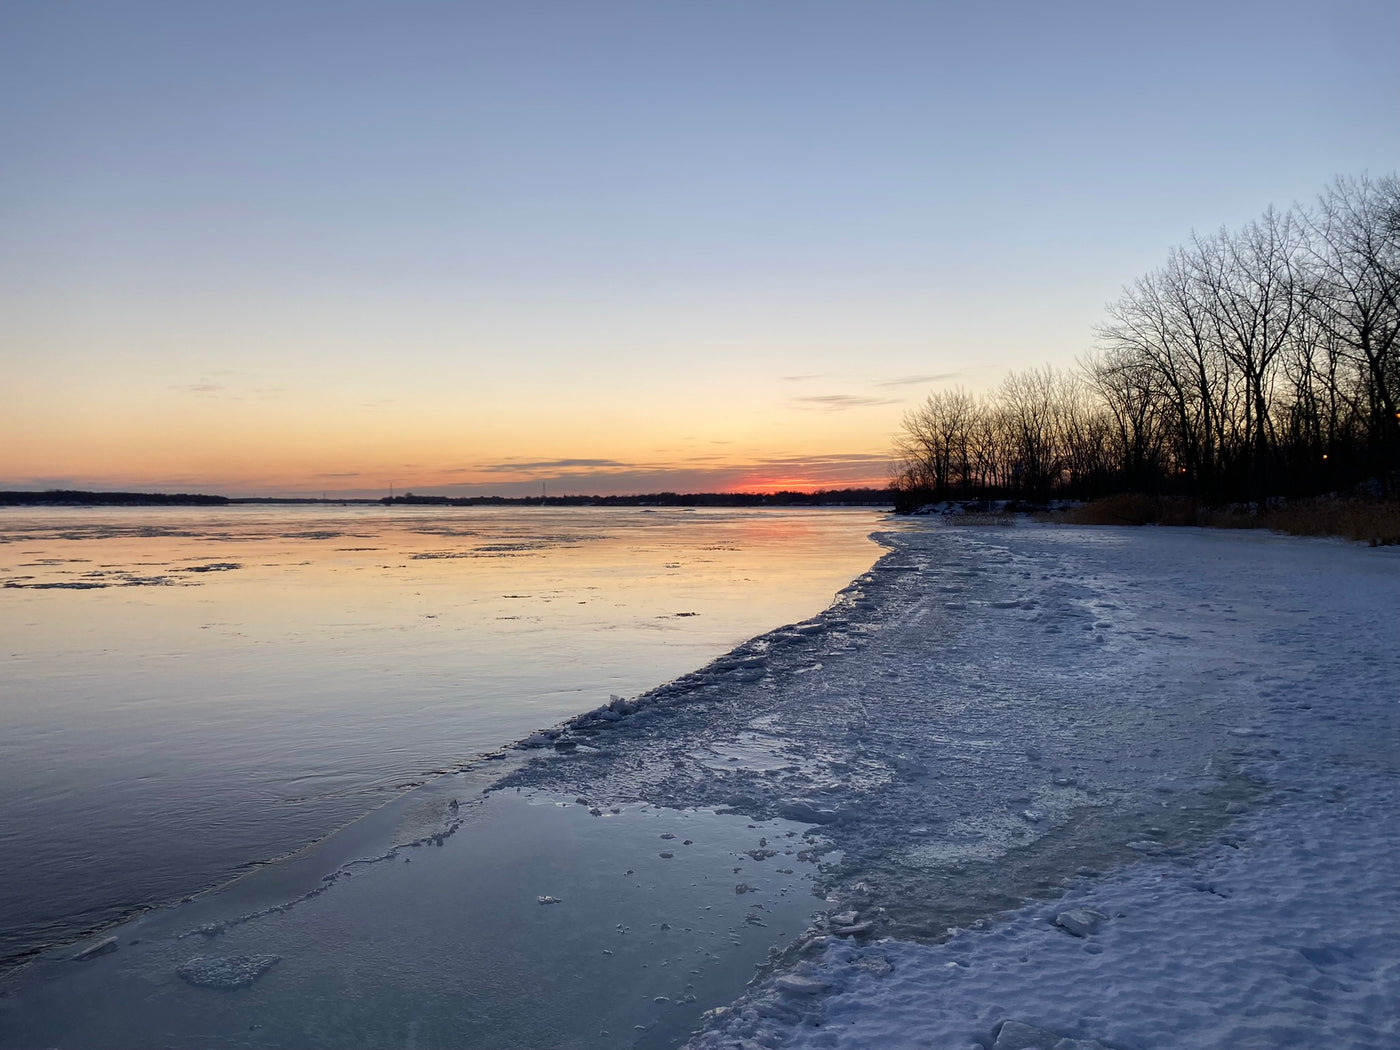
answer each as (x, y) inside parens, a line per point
(191, 689)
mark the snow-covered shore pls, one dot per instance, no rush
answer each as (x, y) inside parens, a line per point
(1195, 736)
(1283, 934)
(1184, 745)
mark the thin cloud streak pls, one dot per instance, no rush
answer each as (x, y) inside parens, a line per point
(841, 402)
(200, 388)
(855, 470)
(549, 464)
(919, 380)
(209, 388)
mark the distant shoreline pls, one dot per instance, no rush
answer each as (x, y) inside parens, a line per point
(863, 497)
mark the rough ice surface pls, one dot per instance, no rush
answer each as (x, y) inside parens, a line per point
(1056, 788)
(1246, 753)
(955, 761)
(225, 971)
(1281, 934)
(999, 714)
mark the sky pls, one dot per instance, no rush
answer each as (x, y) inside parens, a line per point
(609, 247)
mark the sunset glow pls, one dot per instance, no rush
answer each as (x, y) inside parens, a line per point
(294, 249)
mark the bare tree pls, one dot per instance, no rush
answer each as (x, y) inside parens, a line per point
(935, 442)
(1125, 385)
(1354, 292)
(1249, 286)
(1256, 361)
(1027, 403)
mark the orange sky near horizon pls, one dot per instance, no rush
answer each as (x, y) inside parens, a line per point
(241, 439)
(289, 248)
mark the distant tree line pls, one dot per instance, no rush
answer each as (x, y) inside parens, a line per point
(849, 497)
(80, 498)
(1257, 362)
(852, 497)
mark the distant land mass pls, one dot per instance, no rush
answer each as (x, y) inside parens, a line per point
(76, 498)
(827, 498)
(859, 497)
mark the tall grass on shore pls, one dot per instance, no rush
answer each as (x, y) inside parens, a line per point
(1373, 521)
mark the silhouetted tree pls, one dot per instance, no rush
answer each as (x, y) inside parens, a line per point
(1264, 360)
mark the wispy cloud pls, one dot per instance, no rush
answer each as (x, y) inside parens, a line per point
(824, 464)
(919, 380)
(840, 402)
(692, 474)
(511, 466)
(805, 378)
(232, 392)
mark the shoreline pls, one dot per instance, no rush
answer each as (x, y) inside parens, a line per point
(448, 671)
(1038, 787)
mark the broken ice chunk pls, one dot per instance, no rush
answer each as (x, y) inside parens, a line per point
(805, 812)
(793, 985)
(855, 929)
(92, 951)
(225, 971)
(876, 964)
(1081, 922)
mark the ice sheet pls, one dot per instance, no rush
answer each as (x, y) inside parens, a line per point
(304, 664)
(516, 920)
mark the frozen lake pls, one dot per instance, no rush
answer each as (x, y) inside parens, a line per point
(1016, 786)
(191, 692)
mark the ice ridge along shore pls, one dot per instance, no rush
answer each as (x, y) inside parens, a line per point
(1193, 735)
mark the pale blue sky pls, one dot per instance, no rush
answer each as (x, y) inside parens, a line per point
(503, 228)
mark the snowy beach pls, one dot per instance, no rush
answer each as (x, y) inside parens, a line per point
(1053, 787)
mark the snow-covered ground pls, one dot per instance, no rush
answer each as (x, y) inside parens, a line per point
(1193, 736)
(1283, 934)
(1055, 787)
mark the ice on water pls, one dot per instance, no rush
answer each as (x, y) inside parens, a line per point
(225, 971)
(297, 666)
(525, 920)
(1053, 788)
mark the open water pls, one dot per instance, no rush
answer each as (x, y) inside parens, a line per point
(187, 693)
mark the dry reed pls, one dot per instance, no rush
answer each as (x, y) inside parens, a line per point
(1373, 521)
